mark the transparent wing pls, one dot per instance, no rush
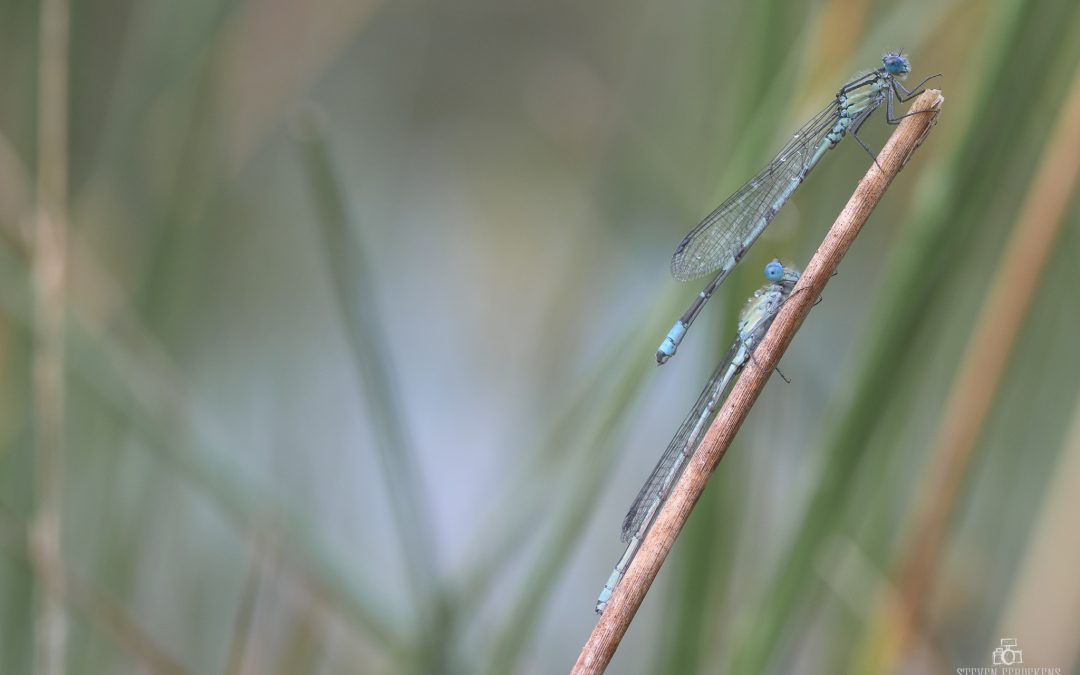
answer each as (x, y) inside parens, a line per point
(723, 232)
(755, 320)
(684, 441)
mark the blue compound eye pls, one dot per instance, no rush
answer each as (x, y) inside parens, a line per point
(896, 64)
(774, 271)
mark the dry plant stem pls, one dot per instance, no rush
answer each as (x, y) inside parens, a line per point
(98, 610)
(624, 603)
(978, 378)
(49, 273)
(116, 335)
(107, 616)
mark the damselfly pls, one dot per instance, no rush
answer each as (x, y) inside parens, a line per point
(754, 321)
(724, 236)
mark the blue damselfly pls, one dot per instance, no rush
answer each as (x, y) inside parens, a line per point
(725, 235)
(754, 321)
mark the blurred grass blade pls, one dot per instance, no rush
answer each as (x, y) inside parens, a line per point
(356, 296)
(357, 301)
(164, 419)
(514, 522)
(152, 401)
(99, 611)
(50, 274)
(925, 253)
(596, 462)
(246, 616)
(1046, 593)
(980, 373)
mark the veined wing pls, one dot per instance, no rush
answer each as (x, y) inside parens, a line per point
(754, 322)
(686, 438)
(723, 232)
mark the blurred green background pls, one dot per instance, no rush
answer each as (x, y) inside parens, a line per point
(359, 322)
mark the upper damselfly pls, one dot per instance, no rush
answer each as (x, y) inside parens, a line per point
(725, 235)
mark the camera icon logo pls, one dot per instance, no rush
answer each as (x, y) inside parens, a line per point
(1007, 654)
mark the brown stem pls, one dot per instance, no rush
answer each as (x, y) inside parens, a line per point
(624, 603)
(49, 281)
(978, 378)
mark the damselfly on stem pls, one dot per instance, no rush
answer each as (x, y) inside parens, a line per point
(754, 321)
(725, 235)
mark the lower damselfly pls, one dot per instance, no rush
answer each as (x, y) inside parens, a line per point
(754, 321)
(719, 241)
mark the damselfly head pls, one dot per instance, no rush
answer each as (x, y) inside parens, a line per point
(777, 272)
(896, 63)
(774, 271)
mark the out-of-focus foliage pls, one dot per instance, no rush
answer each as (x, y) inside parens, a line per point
(362, 305)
